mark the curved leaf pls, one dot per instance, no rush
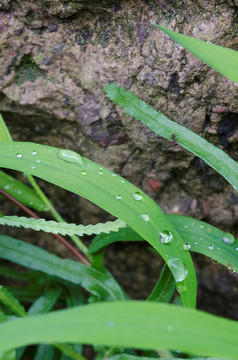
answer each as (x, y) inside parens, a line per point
(141, 325)
(197, 236)
(103, 286)
(170, 130)
(222, 59)
(62, 228)
(69, 170)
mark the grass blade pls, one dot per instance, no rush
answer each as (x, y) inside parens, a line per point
(197, 236)
(168, 129)
(44, 352)
(132, 357)
(83, 177)
(103, 286)
(141, 325)
(164, 288)
(62, 228)
(46, 302)
(222, 59)
(11, 302)
(21, 192)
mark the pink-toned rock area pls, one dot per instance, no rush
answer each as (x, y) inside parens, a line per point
(57, 56)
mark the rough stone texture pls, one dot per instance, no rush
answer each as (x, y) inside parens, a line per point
(57, 56)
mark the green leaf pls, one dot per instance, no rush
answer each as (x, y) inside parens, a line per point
(222, 59)
(102, 240)
(11, 302)
(62, 228)
(46, 302)
(164, 288)
(168, 129)
(44, 352)
(109, 191)
(103, 286)
(132, 357)
(197, 236)
(208, 240)
(69, 351)
(8, 355)
(4, 133)
(141, 325)
(21, 192)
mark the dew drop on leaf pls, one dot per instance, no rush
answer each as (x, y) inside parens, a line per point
(137, 196)
(71, 157)
(83, 172)
(181, 286)
(34, 152)
(110, 323)
(145, 217)
(210, 247)
(170, 328)
(230, 269)
(228, 239)
(118, 197)
(186, 246)
(100, 173)
(178, 270)
(33, 166)
(18, 156)
(165, 236)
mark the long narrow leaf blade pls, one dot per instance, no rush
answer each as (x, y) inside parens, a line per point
(222, 59)
(164, 288)
(109, 191)
(197, 236)
(61, 227)
(21, 192)
(168, 129)
(103, 286)
(141, 325)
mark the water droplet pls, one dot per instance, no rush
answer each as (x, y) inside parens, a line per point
(231, 269)
(37, 161)
(18, 156)
(186, 246)
(196, 243)
(178, 270)
(118, 197)
(19, 192)
(110, 323)
(218, 248)
(228, 239)
(165, 236)
(181, 287)
(185, 226)
(145, 217)
(34, 153)
(201, 227)
(237, 249)
(137, 196)
(71, 157)
(122, 181)
(169, 328)
(33, 166)
(100, 173)
(210, 247)
(7, 187)
(114, 175)
(83, 172)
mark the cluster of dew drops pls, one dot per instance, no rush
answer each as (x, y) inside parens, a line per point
(165, 236)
